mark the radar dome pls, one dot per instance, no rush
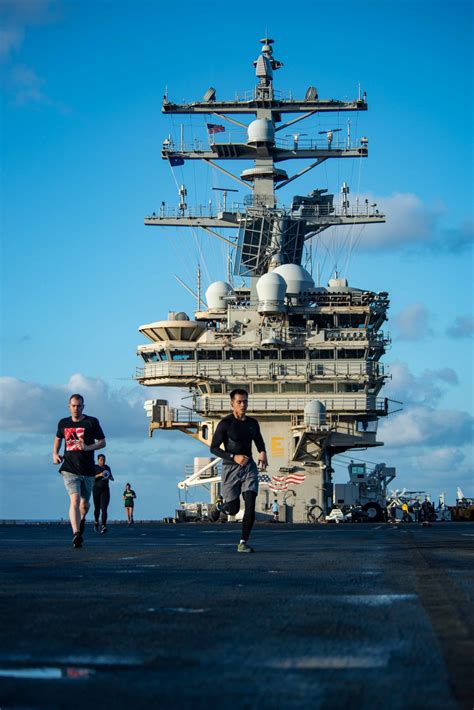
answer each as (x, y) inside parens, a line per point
(261, 130)
(217, 293)
(314, 413)
(271, 289)
(298, 280)
(177, 315)
(338, 283)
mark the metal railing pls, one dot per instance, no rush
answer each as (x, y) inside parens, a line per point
(238, 210)
(362, 403)
(244, 370)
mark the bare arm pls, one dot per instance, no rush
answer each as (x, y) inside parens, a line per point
(99, 444)
(56, 446)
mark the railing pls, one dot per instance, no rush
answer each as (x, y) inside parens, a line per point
(236, 137)
(244, 370)
(238, 210)
(364, 403)
(336, 407)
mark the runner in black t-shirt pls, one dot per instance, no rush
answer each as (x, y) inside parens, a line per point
(236, 432)
(101, 492)
(82, 436)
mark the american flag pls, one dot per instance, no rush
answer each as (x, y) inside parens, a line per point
(281, 483)
(215, 128)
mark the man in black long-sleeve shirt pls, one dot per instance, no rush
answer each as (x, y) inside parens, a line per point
(236, 432)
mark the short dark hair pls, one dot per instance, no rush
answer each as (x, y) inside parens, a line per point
(237, 391)
(127, 484)
(101, 456)
(76, 396)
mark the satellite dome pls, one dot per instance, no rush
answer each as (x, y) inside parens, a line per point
(261, 130)
(298, 280)
(178, 315)
(338, 283)
(217, 293)
(314, 413)
(271, 289)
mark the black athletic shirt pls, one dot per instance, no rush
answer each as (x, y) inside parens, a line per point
(88, 430)
(237, 436)
(101, 484)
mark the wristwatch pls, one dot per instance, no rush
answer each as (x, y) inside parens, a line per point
(232, 456)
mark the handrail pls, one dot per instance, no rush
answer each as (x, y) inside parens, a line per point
(238, 210)
(265, 369)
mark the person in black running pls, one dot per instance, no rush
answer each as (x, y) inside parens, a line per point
(235, 433)
(82, 436)
(101, 492)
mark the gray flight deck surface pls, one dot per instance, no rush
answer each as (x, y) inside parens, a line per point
(360, 616)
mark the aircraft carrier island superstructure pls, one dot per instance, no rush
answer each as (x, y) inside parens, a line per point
(309, 356)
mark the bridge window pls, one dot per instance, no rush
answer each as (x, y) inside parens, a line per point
(293, 387)
(265, 354)
(216, 389)
(351, 320)
(179, 355)
(237, 354)
(293, 355)
(321, 354)
(209, 354)
(261, 387)
(350, 387)
(321, 386)
(350, 353)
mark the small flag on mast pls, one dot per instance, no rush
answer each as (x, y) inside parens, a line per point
(175, 161)
(214, 128)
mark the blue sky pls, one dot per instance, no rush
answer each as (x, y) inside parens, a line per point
(82, 86)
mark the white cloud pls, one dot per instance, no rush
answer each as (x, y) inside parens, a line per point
(463, 327)
(33, 408)
(22, 82)
(423, 426)
(413, 323)
(426, 389)
(410, 225)
(16, 16)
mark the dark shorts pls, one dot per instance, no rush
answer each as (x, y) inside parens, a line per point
(238, 479)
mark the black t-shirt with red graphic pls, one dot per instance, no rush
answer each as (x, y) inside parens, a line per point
(87, 430)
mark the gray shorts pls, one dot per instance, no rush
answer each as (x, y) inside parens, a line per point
(238, 479)
(78, 484)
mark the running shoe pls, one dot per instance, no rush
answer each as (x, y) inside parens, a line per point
(243, 547)
(96, 526)
(77, 540)
(103, 530)
(214, 514)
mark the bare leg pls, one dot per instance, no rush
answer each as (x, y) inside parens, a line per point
(74, 512)
(84, 507)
